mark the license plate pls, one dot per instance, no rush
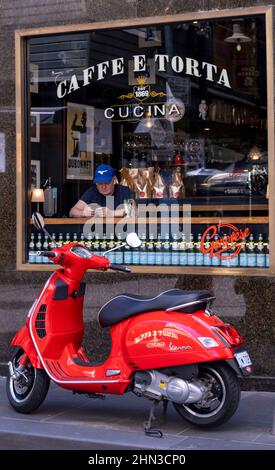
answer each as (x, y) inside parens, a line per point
(243, 359)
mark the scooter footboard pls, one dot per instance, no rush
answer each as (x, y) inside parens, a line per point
(23, 340)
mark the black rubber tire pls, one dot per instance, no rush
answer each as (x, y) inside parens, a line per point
(228, 392)
(34, 395)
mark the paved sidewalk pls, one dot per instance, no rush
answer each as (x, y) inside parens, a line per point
(67, 421)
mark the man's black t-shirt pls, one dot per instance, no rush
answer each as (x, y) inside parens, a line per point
(92, 195)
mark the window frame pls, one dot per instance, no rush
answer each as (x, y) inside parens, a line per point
(21, 37)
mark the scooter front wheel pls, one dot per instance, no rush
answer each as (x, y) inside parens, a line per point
(27, 391)
(221, 400)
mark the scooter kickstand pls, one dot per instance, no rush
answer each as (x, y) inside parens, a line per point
(164, 410)
(149, 431)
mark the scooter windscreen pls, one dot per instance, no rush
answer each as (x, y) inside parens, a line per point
(81, 252)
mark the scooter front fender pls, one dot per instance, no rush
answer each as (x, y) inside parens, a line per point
(23, 340)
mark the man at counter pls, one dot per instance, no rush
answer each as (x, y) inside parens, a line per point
(104, 186)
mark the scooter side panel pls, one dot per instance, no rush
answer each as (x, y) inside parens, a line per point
(55, 323)
(23, 340)
(162, 339)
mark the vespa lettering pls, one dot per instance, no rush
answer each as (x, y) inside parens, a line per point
(173, 347)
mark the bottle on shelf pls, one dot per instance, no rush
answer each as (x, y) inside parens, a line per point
(38, 246)
(143, 250)
(224, 261)
(128, 258)
(54, 193)
(96, 245)
(82, 239)
(136, 256)
(191, 259)
(198, 252)
(234, 261)
(89, 244)
(251, 252)
(151, 254)
(32, 251)
(45, 247)
(119, 251)
(207, 261)
(49, 204)
(110, 245)
(158, 252)
(243, 254)
(68, 238)
(60, 240)
(183, 251)
(103, 245)
(267, 254)
(175, 250)
(216, 261)
(260, 252)
(166, 251)
(53, 243)
(75, 237)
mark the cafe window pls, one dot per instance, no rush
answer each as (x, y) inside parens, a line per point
(179, 110)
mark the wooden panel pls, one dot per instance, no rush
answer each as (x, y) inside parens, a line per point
(270, 129)
(144, 220)
(232, 207)
(186, 16)
(178, 270)
(20, 193)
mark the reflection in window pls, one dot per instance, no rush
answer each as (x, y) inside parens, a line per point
(180, 110)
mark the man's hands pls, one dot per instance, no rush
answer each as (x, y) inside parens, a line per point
(81, 209)
(101, 212)
(88, 211)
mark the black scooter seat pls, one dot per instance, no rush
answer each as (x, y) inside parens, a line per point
(127, 305)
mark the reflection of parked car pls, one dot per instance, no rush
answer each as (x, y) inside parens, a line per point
(234, 179)
(194, 179)
(225, 183)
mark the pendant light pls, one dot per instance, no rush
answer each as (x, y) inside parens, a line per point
(237, 36)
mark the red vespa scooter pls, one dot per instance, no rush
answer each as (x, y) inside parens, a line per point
(168, 348)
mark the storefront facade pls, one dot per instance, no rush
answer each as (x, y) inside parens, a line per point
(182, 106)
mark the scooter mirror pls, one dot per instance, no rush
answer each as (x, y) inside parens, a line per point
(38, 221)
(133, 240)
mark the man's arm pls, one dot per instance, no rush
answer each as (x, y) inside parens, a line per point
(81, 209)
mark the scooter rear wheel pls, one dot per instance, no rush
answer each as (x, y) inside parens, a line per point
(221, 401)
(27, 391)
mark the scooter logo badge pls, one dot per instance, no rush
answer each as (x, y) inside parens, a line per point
(224, 247)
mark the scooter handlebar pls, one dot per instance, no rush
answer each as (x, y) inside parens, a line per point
(48, 254)
(119, 267)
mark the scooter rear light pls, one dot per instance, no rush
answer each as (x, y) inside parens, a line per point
(230, 334)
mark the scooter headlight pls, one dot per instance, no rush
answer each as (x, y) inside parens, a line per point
(81, 252)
